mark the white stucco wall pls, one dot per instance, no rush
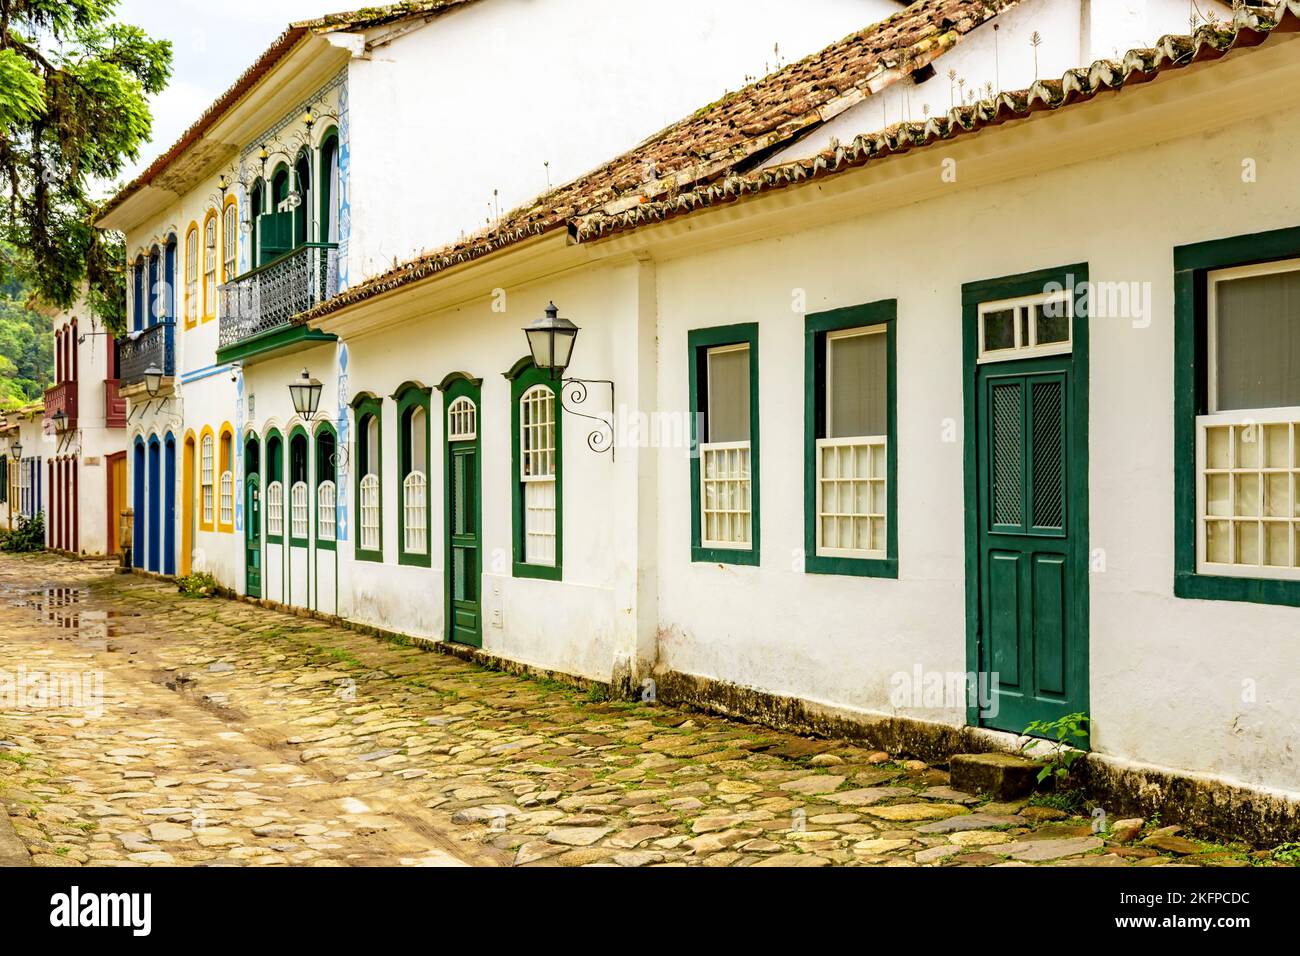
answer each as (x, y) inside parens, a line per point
(482, 98)
(1166, 674)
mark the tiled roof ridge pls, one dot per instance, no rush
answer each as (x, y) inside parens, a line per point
(1250, 26)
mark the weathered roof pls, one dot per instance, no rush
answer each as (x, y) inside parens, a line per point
(733, 134)
(1249, 27)
(362, 19)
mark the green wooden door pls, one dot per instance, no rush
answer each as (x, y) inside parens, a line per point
(277, 224)
(252, 536)
(463, 570)
(1032, 626)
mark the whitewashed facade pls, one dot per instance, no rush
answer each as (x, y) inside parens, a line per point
(499, 518)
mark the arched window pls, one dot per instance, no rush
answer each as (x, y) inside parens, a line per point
(192, 276)
(369, 491)
(168, 300)
(274, 488)
(302, 211)
(256, 202)
(299, 495)
(326, 490)
(155, 291)
(229, 239)
(210, 265)
(206, 472)
(329, 191)
(138, 294)
(537, 472)
(462, 420)
(226, 504)
(413, 472)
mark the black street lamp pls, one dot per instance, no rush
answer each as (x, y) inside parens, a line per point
(305, 393)
(550, 341)
(16, 450)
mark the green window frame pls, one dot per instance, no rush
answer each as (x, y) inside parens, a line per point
(412, 397)
(298, 433)
(4, 480)
(275, 451)
(1193, 264)
(699, 344)
(326, 470)
(817, 327)
(523, 377)
(365, 407)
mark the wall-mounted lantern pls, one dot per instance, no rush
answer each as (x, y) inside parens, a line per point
(550, 341)
(305, 392)
(153, 380)
(16, 450)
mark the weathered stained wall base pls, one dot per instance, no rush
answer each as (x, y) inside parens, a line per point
(1203, 804)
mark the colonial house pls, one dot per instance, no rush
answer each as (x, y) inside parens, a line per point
(85, 415)
(937, 383)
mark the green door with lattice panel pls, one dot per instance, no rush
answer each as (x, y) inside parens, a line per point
(1032, 633)
(464, 521)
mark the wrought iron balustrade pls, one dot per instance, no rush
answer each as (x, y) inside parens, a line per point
(270, 295)
(139, 350)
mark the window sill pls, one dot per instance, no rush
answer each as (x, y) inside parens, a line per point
(543, 572)
(325, 545)
(705, 555)
(853, 567)
(1208, 587)
(413, 560)
(362, 555)
(299, 542)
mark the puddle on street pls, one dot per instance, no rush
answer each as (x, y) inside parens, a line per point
(68, 611)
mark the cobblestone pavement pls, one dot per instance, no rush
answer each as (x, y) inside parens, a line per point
(232, 734)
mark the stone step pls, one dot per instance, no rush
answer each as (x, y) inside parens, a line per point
(1004, 776)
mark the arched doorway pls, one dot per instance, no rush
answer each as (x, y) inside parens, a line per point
(252, 517)
(169, 504)
(154, 489)
(187, 507)
(137, 504)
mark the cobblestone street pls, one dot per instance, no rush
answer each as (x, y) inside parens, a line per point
(232, 734)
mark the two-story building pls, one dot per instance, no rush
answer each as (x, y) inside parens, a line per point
(85, 419)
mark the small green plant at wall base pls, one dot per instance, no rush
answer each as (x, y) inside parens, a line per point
(28, 536)
(1066, 732)
(200, 584)
(1287, 853)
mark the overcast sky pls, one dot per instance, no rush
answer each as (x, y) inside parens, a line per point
(213, 41)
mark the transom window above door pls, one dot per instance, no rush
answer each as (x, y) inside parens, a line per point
(1248, 439)
(1026, 327)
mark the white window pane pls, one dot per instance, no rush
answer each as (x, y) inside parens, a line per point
(539, 522)
(1257, 341)
(725, 495)
(728, 394)
(856, 386)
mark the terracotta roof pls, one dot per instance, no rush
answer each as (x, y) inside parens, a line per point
(595, 206)
(363, 19)
(735, 133)
(1249, 27)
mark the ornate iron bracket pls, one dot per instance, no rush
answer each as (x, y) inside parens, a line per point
(573, 391)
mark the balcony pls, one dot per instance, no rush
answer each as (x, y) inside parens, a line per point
(62, 398)
(139, 350)
(255, 308)
(114, 404)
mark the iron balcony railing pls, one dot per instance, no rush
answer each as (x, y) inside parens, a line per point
(139, 350)
(272, 294)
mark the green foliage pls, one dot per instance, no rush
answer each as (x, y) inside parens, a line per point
(26, 346)
(28, 536)
(73, 112)
(1066, 732)
(1287, 853)
(199, 584)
